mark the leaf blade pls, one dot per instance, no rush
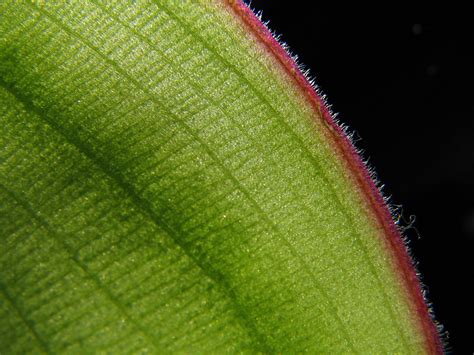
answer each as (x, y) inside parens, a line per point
(238, 206)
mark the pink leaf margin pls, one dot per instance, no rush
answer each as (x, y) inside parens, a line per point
(359, 171)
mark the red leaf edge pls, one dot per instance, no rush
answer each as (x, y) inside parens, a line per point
(360, 172)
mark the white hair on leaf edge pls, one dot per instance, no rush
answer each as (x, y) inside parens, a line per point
(395, 210)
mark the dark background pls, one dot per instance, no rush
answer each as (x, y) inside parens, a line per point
(405, 88)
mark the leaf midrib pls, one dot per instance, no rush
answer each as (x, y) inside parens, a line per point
(224, 170)
(30, 326)
(111, 62)
(44, 223)
(145, 210)
(315, 163)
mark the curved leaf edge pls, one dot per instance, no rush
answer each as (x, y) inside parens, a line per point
(364, 176)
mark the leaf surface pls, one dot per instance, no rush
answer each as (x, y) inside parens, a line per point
(170, 182)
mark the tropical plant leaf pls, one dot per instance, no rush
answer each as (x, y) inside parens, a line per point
(170, 182)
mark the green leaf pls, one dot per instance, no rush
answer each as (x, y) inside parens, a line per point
(170, 182)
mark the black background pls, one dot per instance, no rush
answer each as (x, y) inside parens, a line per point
(405, 88)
